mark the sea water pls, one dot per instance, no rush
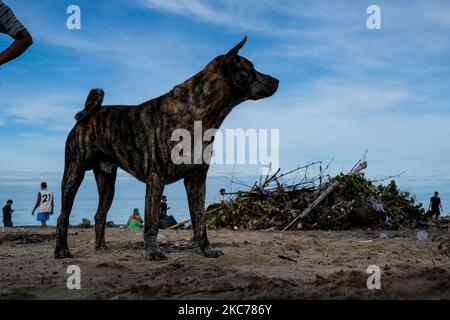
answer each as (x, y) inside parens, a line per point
(130, 194)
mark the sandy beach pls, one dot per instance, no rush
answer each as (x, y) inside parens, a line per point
(256, 265)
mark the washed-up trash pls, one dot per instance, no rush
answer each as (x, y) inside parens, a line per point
(344, 202)
(166, 222)
(290, 254)
(286, 257)
(111, 224)
(388, 225)
(85, 224)
(422, 236)
(378, 206)
(161, 238)
(383, 236)
(177, 244)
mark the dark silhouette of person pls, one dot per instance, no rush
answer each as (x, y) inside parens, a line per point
(7, 214)
(435, 206)
(165, 221)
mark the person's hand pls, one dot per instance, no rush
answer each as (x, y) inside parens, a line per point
(51, 213)
(32, 213)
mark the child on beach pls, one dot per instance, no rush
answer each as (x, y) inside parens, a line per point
(7, 214)
(44, 204)
(135, 221)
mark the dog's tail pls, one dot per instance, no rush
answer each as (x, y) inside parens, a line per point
(93, 104)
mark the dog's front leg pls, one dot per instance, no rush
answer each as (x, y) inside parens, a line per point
(155, 189)
(195, 188)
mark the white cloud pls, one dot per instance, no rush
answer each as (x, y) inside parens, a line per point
(236, 14)
(54, 112)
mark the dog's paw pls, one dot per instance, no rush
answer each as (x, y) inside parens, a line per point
(102, 247)
(62, 254)
(212, 253)
(155, 256)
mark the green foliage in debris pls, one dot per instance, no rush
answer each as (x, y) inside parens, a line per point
(394, 199)
(236, 214)
(357, 202)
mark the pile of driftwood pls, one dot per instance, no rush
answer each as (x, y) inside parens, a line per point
(341, 203)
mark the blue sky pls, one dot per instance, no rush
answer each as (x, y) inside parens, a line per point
(344, 88)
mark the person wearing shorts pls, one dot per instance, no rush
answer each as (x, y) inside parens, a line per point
(435, 206)
(44, 205)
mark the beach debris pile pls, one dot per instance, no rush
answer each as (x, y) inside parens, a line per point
(347, 201)
(85, 224)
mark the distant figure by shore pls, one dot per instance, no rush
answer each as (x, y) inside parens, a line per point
(135, 221)
(165, 221)
(7, 214)
(44, 204)
(435, 206)
(222, 195)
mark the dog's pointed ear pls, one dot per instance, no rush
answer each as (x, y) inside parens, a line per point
(232, 54)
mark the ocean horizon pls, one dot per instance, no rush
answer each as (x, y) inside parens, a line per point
(130, 193)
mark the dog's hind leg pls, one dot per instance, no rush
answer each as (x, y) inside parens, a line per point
(105, 176)
(195, 188)
(154, 192)
(72, 179)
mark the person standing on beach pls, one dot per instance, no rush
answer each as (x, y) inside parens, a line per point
(7, 214)
(165, 221)
(435, 206)
(163, 208)
(10, 25)
(44, 204)
(222, 193)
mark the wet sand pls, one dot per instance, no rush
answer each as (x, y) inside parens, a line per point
(256, 265)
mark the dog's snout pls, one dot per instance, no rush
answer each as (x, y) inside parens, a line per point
(265, 86)
(269, 83)
(275, 82)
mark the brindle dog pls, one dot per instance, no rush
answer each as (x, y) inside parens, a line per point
(138, 140)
